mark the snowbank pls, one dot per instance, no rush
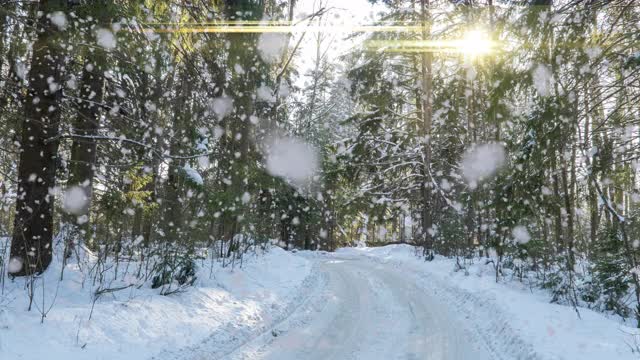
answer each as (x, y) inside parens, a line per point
(226, 305)
(511, 319)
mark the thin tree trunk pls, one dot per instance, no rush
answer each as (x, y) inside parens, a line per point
(426, 63)
(173, 215)
(568, 204)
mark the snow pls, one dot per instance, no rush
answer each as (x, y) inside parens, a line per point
(225, 307)
(105, 38)
(521, 234)
(15, 265)
(265, 93)
(362, 310)
(193, 174)
(203, 161)
(222, 106)
(593, 52)
(74, 200)
(58, 19)
(481, 161)
(375, 303)
(292, 159)
(512, 319)
(271, 46)
(238, 69)
(21, 70)
(283, 89)
(72, 82)
(542, 80)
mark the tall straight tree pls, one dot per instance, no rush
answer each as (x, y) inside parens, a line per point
(84, 147)
(426, 113)
(31, 247)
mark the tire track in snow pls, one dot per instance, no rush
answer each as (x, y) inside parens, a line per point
(367, 311)
(234, 336)
(489, 325)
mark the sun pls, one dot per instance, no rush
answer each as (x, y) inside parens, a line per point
(474, 43)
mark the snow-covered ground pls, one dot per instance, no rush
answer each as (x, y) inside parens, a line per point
(513, 320)
(365, 311)
(356, 303)
(225, 308)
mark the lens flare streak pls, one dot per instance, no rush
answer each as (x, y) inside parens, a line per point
(472, 43)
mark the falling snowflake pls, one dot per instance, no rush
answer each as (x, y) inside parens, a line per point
(271, 46)
(15, 265)
(106, 39)
(222, 106)
(521, 234)
(59, 19)
(482, 161)
(75, 200)
(292, 159)
(542, 80)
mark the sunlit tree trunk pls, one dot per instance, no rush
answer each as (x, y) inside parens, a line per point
(426, 64)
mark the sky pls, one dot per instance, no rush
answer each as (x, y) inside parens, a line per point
(341, 13)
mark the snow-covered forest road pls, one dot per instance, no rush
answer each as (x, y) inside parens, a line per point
(387, 303)
(365, 310)
(356, 303)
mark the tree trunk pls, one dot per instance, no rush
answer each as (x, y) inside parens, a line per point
(426, 60)
(31, 246)
(568, 204)
(83, 150)
(174, 210)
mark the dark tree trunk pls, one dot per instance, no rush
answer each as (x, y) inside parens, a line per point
(3, 29)
(33, 227)
(174, 214)
(83, 149)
